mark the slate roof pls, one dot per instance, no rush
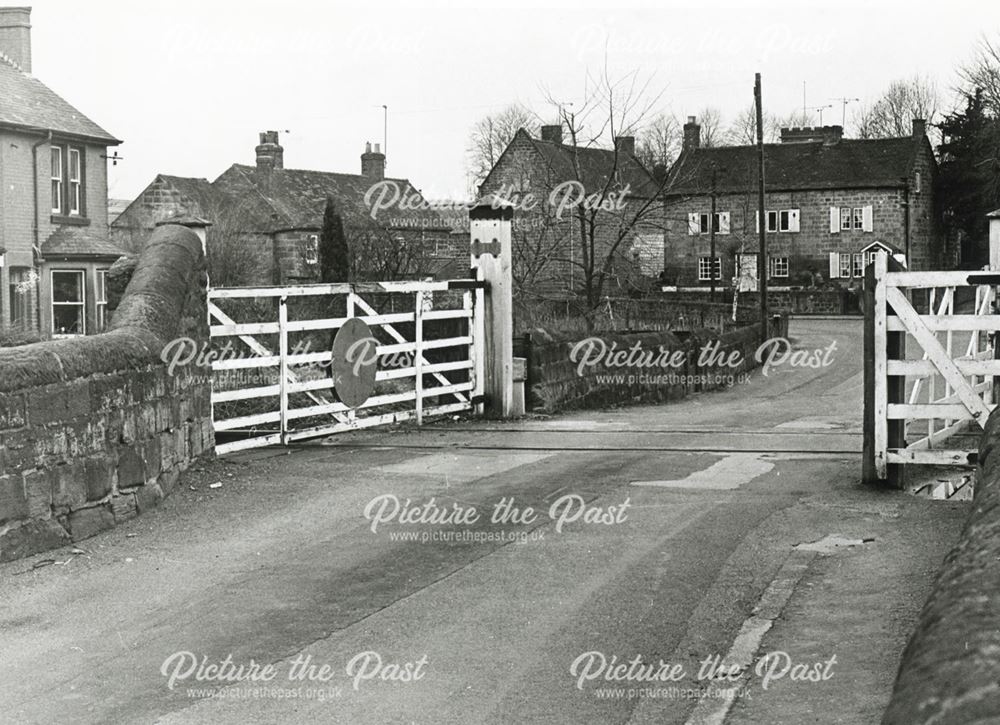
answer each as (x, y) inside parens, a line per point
(596, 165)
(26, 102)
(846, 164)
(78, 242)
(296, 199)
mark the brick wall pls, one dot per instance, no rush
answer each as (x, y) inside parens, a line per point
(93, 430)
(554, 382)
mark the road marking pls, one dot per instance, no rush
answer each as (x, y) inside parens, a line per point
(713, 711)
(728, 473)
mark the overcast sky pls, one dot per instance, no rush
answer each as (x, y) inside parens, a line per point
(188, 85)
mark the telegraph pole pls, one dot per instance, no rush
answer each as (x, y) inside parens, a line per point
(762, 216)
(711, 240)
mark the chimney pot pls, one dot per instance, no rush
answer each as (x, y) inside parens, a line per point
(270, 154)
(15, 36)
(552, 134)
(373, 163)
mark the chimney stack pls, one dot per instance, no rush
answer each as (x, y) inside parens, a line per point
(270, 154)
(373, 163)
(692, 134)
(552, 134)
(807, 134)
(919, 127)
(626, 145)
(15, 36)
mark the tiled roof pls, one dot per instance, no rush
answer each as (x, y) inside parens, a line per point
(26, 102)
(595, 165)
(846, 164)
(296, 198)
(67, 241)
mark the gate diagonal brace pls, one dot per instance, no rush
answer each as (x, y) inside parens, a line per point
(936, 353)
(481, 248)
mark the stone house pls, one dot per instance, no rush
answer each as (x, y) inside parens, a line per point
(545, 178)
(54, 248)
(275, 214)
(828, 201)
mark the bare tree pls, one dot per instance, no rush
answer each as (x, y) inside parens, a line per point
(983, 72)
(599, 229)
(743, 130)
(492, 134)
(379, 254)
(892, 114)
(712, 132)
(659, 141)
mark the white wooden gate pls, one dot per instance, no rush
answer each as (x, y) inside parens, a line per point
(917, 403)
(272, 354)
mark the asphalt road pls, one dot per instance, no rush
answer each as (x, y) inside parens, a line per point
(686, 534)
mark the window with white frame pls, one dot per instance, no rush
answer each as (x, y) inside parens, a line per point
(69, 302)
(312, 249)
(57, 179)
(845, 265)
(845, 218)
(68, 186)
(699, 223)
(75, 179)
(101, 299)
(706, 266)
(23, 281)
(858, 265)
(859, 218)
(778, 267)
(785, 219)
(781, 220)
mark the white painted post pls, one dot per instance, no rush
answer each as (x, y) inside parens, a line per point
(283, 365)
(490, 225)
(418, 357)
(994, 218)
(881, 432)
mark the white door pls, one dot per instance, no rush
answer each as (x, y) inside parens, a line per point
(746, 274)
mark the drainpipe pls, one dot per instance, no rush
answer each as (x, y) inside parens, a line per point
(34, 225)
(906, 220)
(34, 182)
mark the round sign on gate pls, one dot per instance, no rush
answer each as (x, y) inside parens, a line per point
(354, 363)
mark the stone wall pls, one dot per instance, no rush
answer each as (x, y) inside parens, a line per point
(950, 672)
(93, 430)
(554, 381)
(806, 301)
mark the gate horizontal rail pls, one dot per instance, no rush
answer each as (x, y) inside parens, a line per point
(296, 396)
(915, 407)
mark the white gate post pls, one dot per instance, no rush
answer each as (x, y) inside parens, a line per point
(490, 222)
(994, 218)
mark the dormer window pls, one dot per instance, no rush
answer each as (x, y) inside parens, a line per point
(68, 192)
